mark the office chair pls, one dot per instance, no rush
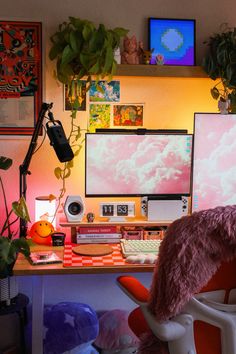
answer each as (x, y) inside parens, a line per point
(190, 306)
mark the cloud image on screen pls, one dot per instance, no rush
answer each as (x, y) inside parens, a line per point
(118, 164)
(214, 161)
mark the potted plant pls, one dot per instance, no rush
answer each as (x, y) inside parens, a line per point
(82, 50)
(10, 245)
(220, 65)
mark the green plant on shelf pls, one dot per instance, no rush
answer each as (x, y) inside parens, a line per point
(82, 50)
(220, 65)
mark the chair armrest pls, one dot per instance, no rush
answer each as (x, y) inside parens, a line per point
(133, 288)
(219, 306)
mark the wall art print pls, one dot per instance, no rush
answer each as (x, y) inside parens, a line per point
(78, 89)
(128, 115)
(105, 91)
(99, 116)
(20, 76)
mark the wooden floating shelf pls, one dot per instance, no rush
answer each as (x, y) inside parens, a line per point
(160, 71)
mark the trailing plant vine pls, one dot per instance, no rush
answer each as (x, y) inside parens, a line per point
(82, 50)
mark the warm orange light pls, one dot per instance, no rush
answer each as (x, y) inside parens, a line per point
(41, 231)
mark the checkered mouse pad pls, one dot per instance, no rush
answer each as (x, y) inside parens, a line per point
(71, 259)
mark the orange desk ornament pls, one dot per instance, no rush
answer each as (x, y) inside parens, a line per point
(41, 231)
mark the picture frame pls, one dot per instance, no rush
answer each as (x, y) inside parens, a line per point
(172, 41)
(104, 91)
(78, 88)
(128, 115)
(21, 76)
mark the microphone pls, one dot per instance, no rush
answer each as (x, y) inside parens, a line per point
(58, 139)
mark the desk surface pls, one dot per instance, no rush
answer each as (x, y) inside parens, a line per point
(23, 267)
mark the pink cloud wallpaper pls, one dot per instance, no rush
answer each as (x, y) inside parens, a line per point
(214, 164)
(122, 164)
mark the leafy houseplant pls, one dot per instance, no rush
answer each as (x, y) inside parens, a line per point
(220, 65)
(10, 246)
(82, 50)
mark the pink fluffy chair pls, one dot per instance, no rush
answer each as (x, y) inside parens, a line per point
(190, 306)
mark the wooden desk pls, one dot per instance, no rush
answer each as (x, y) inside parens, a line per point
(24, 268)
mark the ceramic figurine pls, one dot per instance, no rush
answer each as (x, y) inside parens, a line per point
(147, 56)
(90, 217)
(160, 59)
(132, 51)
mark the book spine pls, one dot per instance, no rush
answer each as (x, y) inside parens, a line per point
(88, 236)
(98, 240)
(97, 229)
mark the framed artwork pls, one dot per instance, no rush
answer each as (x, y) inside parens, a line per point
(128, 115)
(20, 76)
(105, 91)
(173, 40)
(78, 88)
(99, 116)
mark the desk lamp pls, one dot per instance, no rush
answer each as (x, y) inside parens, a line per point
(57, 139)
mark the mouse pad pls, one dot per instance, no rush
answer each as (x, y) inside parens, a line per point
(72, 259)
(92, 250)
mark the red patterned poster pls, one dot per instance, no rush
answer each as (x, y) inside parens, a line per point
(20, 76)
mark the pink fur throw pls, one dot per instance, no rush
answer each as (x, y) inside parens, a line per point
(191, 252)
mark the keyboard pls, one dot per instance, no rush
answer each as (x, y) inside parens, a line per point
(134, 247)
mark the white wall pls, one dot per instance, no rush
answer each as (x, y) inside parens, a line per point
(168, 103)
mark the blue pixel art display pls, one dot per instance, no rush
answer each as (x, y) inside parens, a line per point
(172, 41)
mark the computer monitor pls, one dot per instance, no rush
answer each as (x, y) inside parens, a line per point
(129, 164)
(214, 161)
(173, 39)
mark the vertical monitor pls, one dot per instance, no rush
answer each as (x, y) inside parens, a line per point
(214, 161)
(127, 164)
(173, 40)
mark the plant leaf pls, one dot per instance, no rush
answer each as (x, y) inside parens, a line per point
(215, 93)
(20, 209)
(57, 172)
(5, 163)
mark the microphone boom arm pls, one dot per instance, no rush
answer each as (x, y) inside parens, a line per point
(24, 167)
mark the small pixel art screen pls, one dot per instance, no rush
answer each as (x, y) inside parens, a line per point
(214, 161)
(131, 164)
(172, 41)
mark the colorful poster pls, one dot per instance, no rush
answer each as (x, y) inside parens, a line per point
(128, 115)
(99, 116)
(20, 76)
(77, 89)
(104, 91)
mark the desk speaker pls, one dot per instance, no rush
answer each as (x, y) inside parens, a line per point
(74, 208)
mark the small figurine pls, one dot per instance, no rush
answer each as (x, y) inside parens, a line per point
(132, 51)
(90, 217)
(117, 55)
(160, 59)
(223, 105)
(147, 56)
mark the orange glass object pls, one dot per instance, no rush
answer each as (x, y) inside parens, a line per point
(41, 231)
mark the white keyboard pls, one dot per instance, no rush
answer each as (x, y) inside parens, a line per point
(134, 247)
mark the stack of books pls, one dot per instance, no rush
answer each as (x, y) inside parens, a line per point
(98, 234)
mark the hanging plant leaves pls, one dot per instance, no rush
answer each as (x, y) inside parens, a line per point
(5, 163)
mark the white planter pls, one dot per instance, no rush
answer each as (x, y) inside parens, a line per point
(8, 289)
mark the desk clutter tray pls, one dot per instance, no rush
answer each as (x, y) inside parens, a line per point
(72, 259)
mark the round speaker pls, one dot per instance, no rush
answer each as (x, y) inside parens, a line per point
(74, 208)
